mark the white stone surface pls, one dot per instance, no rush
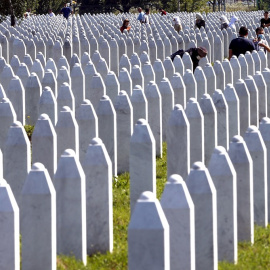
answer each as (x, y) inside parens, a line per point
(179, 210)
(107, 129)
(243, 165)
(98, 172)
(148, 228)
(153, 97)
(67, 129)
(196, 124)
(38, 220)
(88, 126)
(257, 150)
(44, 144)
(178, 144)
(10, 232)
(69, 183)
(142, 161)
(224, 178)
(203, 195)
(244, 105)
(222, 118)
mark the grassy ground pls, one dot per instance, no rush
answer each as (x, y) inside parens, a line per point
(254, 257)
(121, 214)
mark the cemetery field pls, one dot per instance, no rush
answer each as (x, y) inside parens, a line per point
(249, 257)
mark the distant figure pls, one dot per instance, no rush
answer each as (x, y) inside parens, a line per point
(145, 18)
(260, 38)
(162, 12)
(141, 13)
(224, 22)
(195, 53)
(233, 20)
(12, 20)
(66, 11)
(177, 24)
(125, 26)
(27, 13)
(265, 22)
(199, 21)
(51, 14)
(241, 44)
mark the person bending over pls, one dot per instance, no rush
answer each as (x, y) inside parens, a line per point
(195, 54)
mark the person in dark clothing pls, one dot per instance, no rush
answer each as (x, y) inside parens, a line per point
(265, 22)
(199, 21)
(66, 11)
(195, 54)
(241, 44)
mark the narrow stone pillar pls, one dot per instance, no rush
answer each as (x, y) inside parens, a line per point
(222, 119)
(244, 102)
(69, 183)
(38, 220)
(88, 126)
(44, 147)
(257, 150)
(142, 161)
(203, 195)
(145, 232)
(254, 100)
(107, 129)
(124, 117)
(178, 143)
(10, 229)
(153, 97)
(224, 178)
(210, 126)
(196, 124)
(243, 165)
(98, 175)
(67, 129)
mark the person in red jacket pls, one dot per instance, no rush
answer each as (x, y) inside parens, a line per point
(125, 26)
(162, 12)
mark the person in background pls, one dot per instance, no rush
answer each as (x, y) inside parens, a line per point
(125, 26)
(141, 13)
(177, 24)
(28, 13)
(265, 22)
(224, 22)
(162, 12)
(145, 18)
(50, 12)
(241, 44)
(199, 21)
(260, 39)
(195, 54)
(233, 20)
(66, 11)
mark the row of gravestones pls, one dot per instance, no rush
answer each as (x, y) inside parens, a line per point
(34, 101)
(145, 114)
(170, 41)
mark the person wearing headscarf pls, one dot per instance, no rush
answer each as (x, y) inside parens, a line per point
(199, 21)
(233, 20)
(177, 24)
(224, 22)
(195, 54)
(125, 26)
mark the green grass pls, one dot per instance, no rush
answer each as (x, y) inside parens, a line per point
(254, 257)
(117, 260)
